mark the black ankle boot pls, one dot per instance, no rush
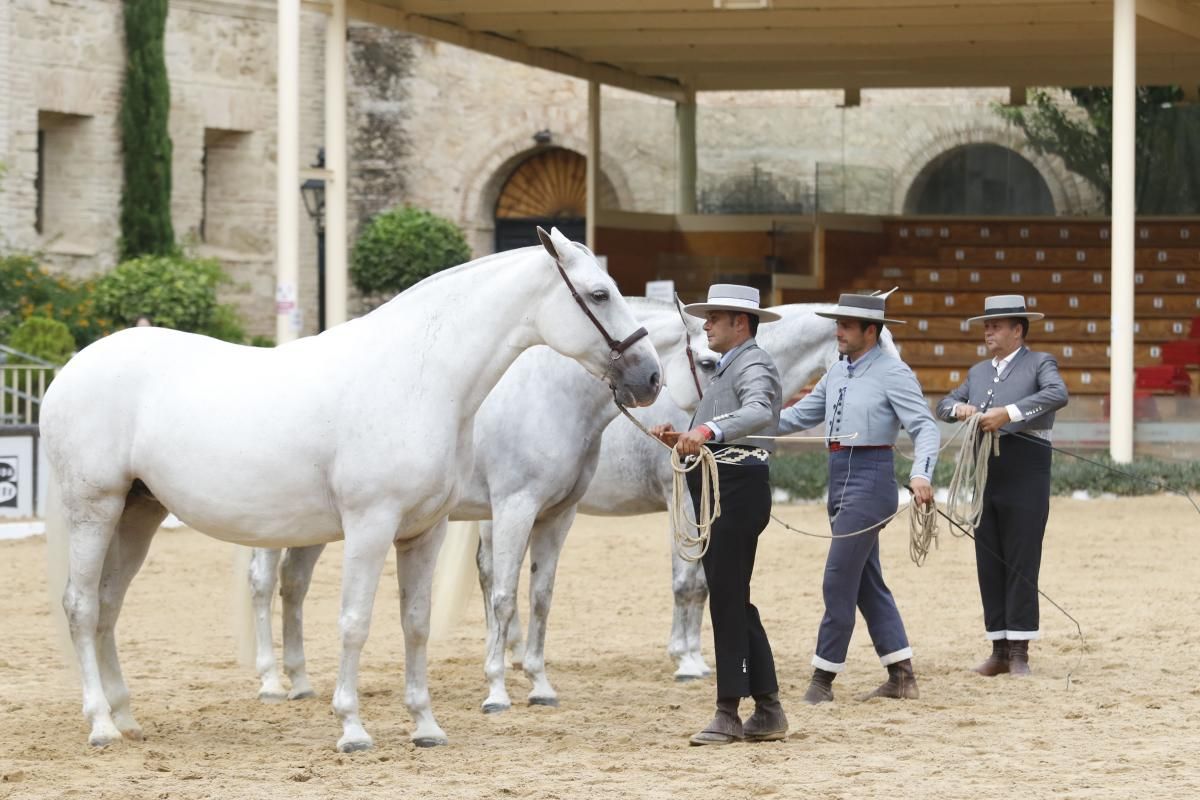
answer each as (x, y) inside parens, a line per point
(820, 688)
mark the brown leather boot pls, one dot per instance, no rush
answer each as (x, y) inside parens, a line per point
(900, 685)
(997, 662)
(1018, 658)
(768, 722)
(820, 688)
(726, 725)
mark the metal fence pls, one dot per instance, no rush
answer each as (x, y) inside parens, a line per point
(22, 387)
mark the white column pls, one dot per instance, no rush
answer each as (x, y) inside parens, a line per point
(593, 160)
(1123, 224)
(685, 153)
(287, 173)
(336, 190)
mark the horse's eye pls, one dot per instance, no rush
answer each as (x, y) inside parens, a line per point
(600, 296)
(707, 364)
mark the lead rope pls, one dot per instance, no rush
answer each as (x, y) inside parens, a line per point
(922, 523)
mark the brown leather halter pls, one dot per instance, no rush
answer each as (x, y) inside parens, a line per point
(617, 349)
(691, 356)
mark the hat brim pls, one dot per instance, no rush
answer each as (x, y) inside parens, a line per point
(1032, 316)
(841, 313)
(700, 309)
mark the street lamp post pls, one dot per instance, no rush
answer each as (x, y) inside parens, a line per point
(313, 192)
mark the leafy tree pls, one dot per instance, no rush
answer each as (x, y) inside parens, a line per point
(175, 291)
(402, 247)
(1167, 149)
(145, 108)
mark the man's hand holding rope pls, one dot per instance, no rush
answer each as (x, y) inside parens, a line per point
(686, 443)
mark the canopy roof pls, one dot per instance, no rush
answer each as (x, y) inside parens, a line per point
(671, 47)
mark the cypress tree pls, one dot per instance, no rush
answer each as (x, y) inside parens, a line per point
(146, 143)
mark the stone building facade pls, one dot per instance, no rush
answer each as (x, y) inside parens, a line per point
(430, 124)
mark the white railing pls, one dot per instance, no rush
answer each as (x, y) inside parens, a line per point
(21, 389)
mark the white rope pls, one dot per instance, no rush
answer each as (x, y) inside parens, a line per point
(965, 502)
(692, 548)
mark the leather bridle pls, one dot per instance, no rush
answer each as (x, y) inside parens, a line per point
(616, 349)
(691, 356)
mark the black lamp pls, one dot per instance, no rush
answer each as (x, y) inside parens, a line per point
(313, 192)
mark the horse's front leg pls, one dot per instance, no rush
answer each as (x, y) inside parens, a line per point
(264, 570)
(546, 544)
(368, 537)
(691, 591)
(511, 524)
(415, 560)
(295, 577)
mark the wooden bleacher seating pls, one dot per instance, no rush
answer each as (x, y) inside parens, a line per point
(945, 268)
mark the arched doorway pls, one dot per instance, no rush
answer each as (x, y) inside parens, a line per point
(549, 189)
(980, 179)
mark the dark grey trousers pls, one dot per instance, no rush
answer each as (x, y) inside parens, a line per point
(862, 491)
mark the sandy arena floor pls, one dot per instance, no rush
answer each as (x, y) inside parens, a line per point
(1128, 725)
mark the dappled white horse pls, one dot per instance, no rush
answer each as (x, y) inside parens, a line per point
(537, 440)
(634, 475)
(362, 433)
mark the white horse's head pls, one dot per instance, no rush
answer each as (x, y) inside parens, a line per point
(805, 345)
(584, 317)
(675, 336)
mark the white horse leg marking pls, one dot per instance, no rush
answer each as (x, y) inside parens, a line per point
(295, 576)
(415, 559)
(92, 529)
(546, 543)
(367, 542)
(511, 525)
(264, 570)
(139, 522)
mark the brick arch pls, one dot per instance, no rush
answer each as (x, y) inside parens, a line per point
(487, 178)
(1067, 191)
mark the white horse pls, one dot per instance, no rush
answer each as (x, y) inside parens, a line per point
(537, 440)
(634, 475)
(362, 433)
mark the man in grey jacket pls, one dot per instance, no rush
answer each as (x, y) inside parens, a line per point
(743, 400)
(1016, 391)
(863, 400)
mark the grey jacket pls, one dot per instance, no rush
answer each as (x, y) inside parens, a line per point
(1030, 382)
(874, 399)
(744, 398)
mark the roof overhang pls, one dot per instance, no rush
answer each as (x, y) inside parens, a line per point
(670, 48)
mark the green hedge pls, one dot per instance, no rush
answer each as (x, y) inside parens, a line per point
(28, 289)
(175, 291)
(402, 247)
(805, 475)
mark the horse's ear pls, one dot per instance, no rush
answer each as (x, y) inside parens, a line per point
(546, 243)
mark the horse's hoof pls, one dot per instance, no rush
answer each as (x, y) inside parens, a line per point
(132, 734)
(496, 708)
(102, 740)
(307, 694)
(272, 697)
(430, 741)
(544, 701)
(355, 746)
(687, 678)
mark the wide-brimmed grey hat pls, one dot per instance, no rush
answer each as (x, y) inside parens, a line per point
(867, 307)
(731, 297)
(1003, 306)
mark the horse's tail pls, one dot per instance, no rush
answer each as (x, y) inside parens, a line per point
(242, 607)
(453, 578)
(58, 556)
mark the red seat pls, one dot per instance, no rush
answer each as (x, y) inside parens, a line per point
(1185, 353)
(1163, 379)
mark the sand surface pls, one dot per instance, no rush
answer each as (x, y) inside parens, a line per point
(1127, 725)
